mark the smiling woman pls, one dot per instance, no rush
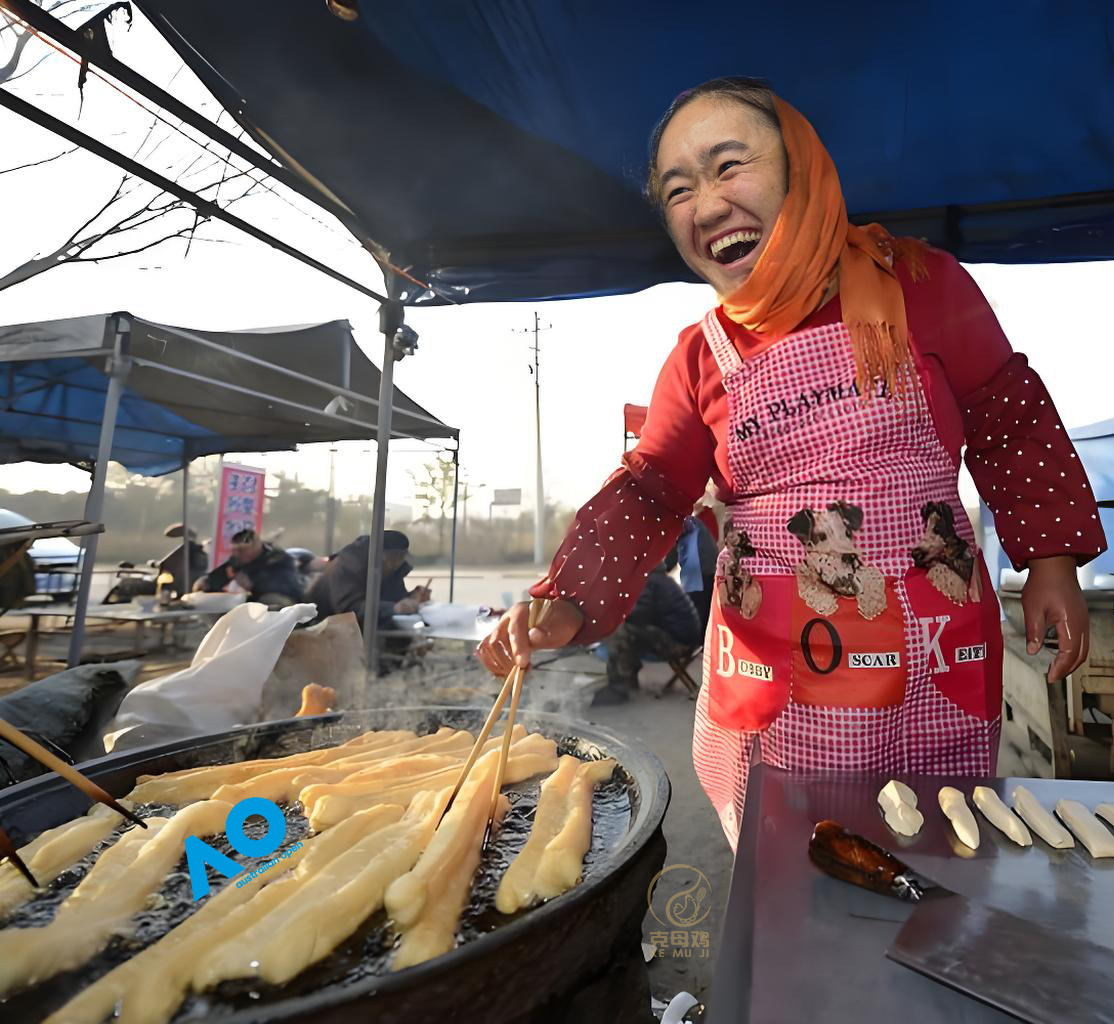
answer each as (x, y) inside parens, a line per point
(829, 396)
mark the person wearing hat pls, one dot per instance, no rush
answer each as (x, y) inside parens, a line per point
(342, 585)
(172, 561)
(133, 583)
(265, 571)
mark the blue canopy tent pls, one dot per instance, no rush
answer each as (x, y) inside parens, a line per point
(490, 151)
(497, 149)
(92, 389)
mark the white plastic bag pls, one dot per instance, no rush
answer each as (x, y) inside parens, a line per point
(223, 686)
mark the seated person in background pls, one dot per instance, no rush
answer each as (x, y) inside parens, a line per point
(663, 623)
(172, 562)
(266, 572)
(342, 585)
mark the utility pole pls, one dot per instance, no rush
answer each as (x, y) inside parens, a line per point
(539, 508)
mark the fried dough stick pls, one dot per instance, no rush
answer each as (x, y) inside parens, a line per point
(199, 783)
(117, 887)
(537, 756)
(379, 776)
(149, 988)
(54, 851)
(425, 903)
(205, 786)
(516, 889)
(561, 863)
(328, 906)
(287, 783)
(321, 756)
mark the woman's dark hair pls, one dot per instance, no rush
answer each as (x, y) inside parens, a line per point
(751, 92)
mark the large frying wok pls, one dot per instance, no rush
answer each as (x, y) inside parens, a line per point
(574, 958)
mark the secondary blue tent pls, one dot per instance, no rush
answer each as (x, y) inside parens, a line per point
(497, 149)
(115, 387)
(187, 393)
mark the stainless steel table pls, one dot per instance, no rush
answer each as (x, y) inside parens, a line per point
(800, 946)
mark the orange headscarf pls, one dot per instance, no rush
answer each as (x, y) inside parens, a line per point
(811, 238)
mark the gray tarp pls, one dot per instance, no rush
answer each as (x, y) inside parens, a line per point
(189, 393)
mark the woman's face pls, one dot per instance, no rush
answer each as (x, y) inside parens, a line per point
(722, 183)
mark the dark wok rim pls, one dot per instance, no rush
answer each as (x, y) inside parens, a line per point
(642, 765)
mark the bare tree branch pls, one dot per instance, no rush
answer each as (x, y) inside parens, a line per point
(39, 163)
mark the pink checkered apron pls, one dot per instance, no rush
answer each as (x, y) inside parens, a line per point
(870, 662)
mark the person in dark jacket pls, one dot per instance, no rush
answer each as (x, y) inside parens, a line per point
(664, 624)
(698, 554)
(266, 572)
(342, 585)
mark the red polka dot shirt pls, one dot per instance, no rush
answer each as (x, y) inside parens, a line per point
(983, 395)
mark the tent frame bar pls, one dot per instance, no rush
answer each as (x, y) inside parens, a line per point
(203, 206)
(390, 320)
(85, 353)
(174, 371)
(47, 24)
(332, 389)
(118, 330)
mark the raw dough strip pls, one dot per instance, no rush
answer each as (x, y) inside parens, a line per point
(562, 862)
(1095, 836)
(117, 887)
(1000, 816)
(954, 805)
(1106, 811)
(328, 810)
(1034, 814)
(559, 791)
(899, 807)
(54, 851)
(328, 906)
(426, 902)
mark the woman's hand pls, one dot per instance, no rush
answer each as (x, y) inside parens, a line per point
(511, 642)
(1052, 597)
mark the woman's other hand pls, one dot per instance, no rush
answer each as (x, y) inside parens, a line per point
(511, 642)
(1052, 597)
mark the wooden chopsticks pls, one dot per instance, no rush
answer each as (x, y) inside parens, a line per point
(7, 849)
(512, 687)
(36, 750)
(538, 610)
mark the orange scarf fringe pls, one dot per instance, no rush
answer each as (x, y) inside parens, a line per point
(812, 240)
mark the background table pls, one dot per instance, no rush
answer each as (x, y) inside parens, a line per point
(798, 945)
(160, 617)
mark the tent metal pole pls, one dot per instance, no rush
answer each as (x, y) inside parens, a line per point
(206, 207)
(119, 366)
(185, 521)
(456, 496)
(390, 319)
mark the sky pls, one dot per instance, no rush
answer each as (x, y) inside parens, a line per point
(472, 364)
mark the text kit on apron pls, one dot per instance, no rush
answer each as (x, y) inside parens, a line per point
(854, 627)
